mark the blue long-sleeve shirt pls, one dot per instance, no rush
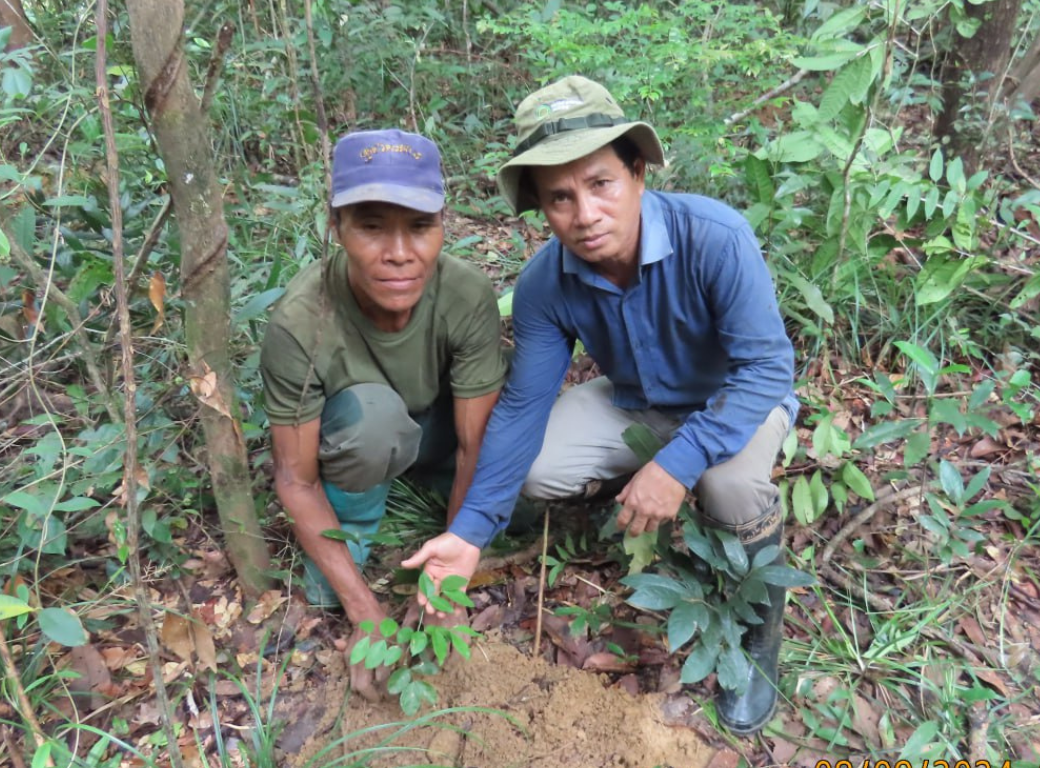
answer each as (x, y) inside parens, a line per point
(697, 332)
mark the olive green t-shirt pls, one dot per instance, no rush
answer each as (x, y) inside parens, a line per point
(452, 340)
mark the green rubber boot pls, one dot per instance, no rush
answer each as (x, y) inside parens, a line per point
(359, 515)
(747, 713)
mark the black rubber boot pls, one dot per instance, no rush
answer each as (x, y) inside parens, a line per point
(748, 713)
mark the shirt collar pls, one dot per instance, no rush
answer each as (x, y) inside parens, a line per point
(654, 243)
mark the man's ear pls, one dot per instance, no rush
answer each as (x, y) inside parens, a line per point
(639, 169)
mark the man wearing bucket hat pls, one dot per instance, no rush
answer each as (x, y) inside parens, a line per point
(671, 297)
(387, 359)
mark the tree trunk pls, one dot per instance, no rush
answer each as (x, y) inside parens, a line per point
(1025, 77)
(988, 51)
(182, 134)
(13, 15)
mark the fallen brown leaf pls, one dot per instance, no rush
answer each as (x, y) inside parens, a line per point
(265, 606)
(157, 295)
(604, 661)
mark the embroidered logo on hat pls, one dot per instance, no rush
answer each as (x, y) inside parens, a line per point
(388, 166)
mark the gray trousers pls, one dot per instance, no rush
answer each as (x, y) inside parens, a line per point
(583, 449)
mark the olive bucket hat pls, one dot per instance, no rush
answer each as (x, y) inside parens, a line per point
(562, 122)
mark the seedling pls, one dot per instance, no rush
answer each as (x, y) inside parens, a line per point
(424, 648)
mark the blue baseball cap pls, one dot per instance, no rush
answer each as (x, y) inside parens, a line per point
(388, 166)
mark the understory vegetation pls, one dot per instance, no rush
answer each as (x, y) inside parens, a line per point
(907, 264)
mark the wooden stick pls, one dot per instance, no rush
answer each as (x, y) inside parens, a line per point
(850, 527)
(130, 461)
(11, 672)
(541, 587)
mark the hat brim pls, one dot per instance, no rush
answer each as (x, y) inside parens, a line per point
(422, 200)
(567, 147)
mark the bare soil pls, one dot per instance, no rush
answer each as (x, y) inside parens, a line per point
(545, 716)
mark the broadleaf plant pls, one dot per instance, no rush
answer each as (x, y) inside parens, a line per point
(707, 586)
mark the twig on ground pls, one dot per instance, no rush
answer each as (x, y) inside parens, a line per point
(541, 588)
(520, 557)
(15, 683)
(1014, 161)
(978, 720)
(850, 527)
(130, 464)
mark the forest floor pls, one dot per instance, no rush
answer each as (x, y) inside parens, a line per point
(859, 674)
(893, 636)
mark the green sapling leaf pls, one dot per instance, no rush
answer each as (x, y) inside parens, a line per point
(453, 583)
(418, 643)
(410, 701)
(388, 627)
(398, 680)
(460, 645)
(376, 654)
(360, 650)
(439, 643)
(459, 598)
(439, 603)
(426, 586)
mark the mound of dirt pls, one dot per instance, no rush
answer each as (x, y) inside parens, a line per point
(558, 717)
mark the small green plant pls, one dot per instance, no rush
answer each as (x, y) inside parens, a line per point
(953, 520)
(594, 618)
(708, 587)
(710, 594)
(565, 553)
(425, 647)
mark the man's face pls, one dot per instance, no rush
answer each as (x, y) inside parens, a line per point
(391, 253)
(592, 205)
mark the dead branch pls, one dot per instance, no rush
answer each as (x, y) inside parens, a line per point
(892, 497)
(1014, 160)
(541, 587)
(11, 673)
(522, 557)
(978, 723)
(130, 465)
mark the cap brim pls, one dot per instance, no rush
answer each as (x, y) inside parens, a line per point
(567, 147)
(423, 200)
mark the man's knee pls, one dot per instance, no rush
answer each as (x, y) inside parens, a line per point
(731, 497)
(549, 480)
(367, 437)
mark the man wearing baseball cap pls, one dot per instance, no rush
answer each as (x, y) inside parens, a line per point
(671, 297)
(386, 360)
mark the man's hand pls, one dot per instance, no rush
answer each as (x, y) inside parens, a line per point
(366, 682)
(651, 497)
(443, 556)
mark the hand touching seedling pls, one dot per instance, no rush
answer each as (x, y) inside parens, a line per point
(394, 642)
